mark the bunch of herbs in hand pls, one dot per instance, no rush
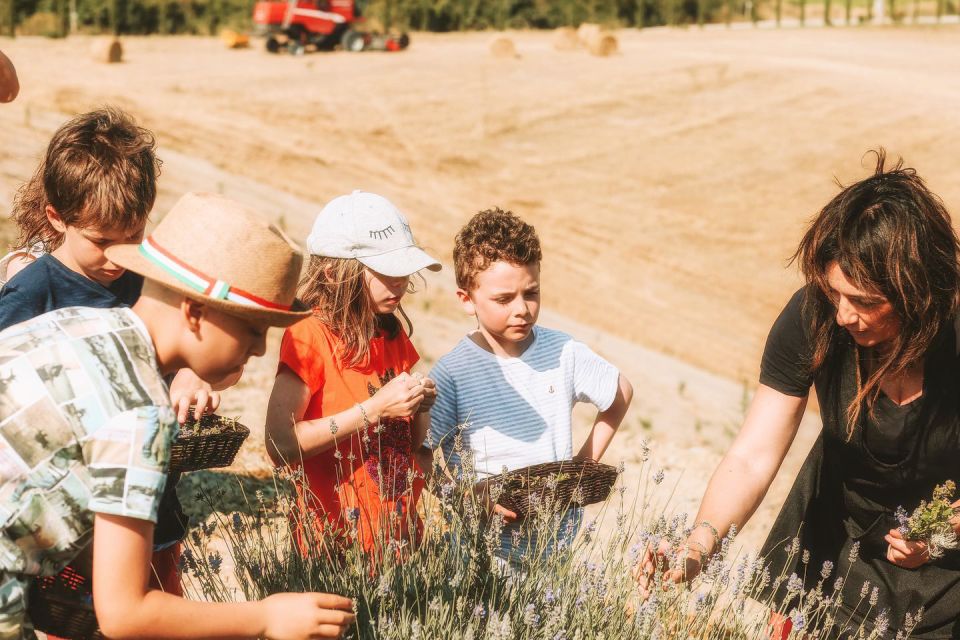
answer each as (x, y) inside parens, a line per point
(930, 522)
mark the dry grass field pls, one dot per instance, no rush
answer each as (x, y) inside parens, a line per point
(669, 183)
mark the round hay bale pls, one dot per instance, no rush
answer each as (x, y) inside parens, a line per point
(107, 50)
(603, 45)
(565, 39)
(503, 47)
(587, 31)
(233, 39)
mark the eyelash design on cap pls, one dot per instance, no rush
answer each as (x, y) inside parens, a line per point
(384, 233)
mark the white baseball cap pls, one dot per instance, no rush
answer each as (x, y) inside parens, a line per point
(370, 229)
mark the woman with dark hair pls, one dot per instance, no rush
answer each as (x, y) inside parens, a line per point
(873, 330)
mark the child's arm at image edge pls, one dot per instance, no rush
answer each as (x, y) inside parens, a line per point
(607, 422)
(127, 609)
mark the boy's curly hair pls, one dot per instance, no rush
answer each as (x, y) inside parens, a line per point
(490, 236)
(100, 170)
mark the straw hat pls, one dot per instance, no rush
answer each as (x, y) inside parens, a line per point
(221, 253)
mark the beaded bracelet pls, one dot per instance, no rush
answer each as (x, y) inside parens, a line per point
(363, 414)
(700, 550)
(713, 530)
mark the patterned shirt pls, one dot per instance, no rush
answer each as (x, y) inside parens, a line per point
(85, 427)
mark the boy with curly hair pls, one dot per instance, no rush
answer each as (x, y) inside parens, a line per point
(509, 387)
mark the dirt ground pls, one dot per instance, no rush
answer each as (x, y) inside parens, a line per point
(669, 183)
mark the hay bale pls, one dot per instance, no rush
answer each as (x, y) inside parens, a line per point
(503, 47)
(107, 50)
(603, 45)
(565, 39)
(587, 31)
(233, 39)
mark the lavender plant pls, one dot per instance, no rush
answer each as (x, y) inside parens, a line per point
(451, 584)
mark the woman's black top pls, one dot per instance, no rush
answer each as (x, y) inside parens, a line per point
(849, 487)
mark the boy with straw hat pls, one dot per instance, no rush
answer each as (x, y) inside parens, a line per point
(84, 458)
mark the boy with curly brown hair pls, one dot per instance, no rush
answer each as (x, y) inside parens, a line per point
(509, 387)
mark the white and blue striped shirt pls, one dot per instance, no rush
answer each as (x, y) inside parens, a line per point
(516, 412)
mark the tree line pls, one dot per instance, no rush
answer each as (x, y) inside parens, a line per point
(60, 17)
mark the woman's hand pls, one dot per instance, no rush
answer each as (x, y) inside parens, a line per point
(675, 565)
(908, 554)
(399, 398)
(955, 520)
(188, 389)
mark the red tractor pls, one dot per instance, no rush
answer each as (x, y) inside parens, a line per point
(321, 25)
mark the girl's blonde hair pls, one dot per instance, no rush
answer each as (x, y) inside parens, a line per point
(337, 292)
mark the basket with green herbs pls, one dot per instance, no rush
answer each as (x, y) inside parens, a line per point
(207, 443)
(553, 486)
(62, 605)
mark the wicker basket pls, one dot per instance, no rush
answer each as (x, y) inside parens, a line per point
(62, 606)
(207, 447)
(555, 485)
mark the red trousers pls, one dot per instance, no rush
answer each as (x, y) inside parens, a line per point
(779, 627)
(165, 570)
(164, 573)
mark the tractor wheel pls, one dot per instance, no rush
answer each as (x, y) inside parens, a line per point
(353, 41)
(273, 45)
(404, 40)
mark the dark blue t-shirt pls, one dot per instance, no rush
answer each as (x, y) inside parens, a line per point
(47, 284)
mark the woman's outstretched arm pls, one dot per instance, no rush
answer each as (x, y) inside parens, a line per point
(739, 482)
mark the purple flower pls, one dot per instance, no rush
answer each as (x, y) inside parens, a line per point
(903, 519)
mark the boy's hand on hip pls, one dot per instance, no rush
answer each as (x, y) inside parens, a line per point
(399, 398)
(299, 616)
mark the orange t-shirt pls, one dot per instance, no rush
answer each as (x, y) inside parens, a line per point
(370, 480)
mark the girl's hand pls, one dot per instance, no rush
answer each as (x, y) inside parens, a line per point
(188, 389)
(908, 554)
(429, 394)
(659, 560)
(296, 616)
(399, 398)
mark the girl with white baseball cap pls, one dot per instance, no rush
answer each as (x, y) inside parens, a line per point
(358, 413)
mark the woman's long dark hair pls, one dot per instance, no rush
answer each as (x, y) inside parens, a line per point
(891, 236)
